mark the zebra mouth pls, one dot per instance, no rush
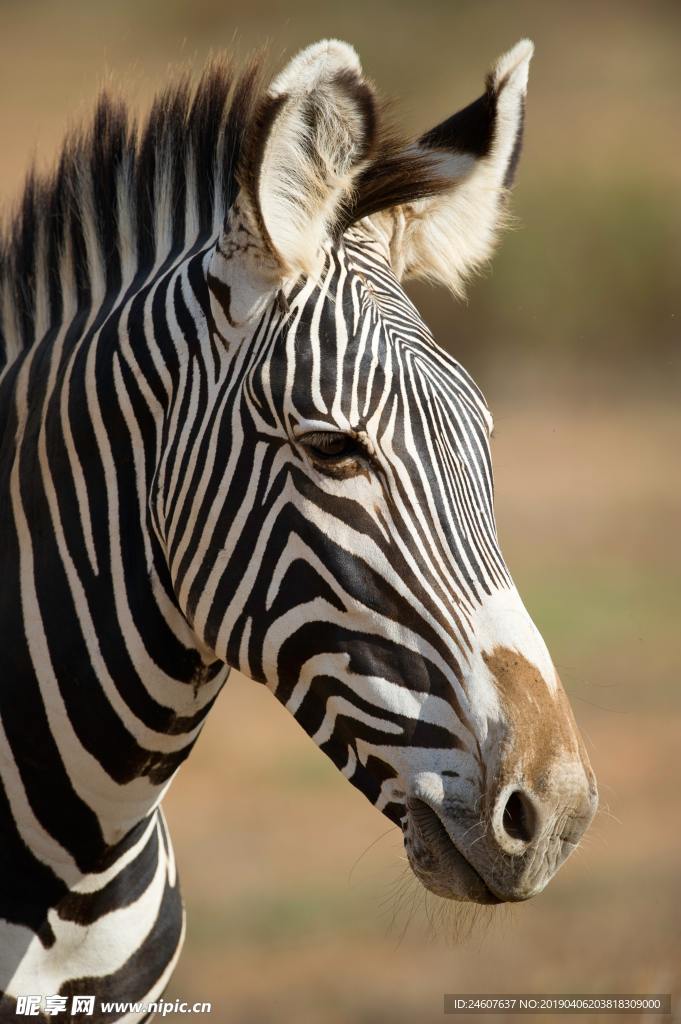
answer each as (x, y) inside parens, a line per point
(437, 863)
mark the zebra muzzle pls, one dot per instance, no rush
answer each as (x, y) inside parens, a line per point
(437, 862)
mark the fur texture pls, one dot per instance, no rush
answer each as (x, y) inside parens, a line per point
(312, 155)
(447, 237)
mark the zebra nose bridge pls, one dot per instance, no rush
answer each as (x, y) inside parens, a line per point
(529, 835)
(530, 818)
(536, 808)
(540, 793)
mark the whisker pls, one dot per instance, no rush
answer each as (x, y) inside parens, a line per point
(371, 845)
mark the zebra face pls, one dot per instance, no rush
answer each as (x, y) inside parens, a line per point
(353, 565)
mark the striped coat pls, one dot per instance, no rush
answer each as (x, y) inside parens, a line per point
(228, 440)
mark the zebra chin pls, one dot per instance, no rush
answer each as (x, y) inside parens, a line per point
(437, 863)
(508, 855)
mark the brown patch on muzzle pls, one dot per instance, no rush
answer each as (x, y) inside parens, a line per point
(541, 726)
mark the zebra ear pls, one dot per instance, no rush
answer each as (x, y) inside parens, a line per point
(313, 135)
(447, 237)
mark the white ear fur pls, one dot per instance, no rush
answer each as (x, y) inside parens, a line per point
(314, 64)
(448, 237)
(316, 132)
(317, 145)
(242, 275)
(509, 79)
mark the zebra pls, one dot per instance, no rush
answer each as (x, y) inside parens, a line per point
(229, 441)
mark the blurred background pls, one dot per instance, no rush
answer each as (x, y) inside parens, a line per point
(299, 907)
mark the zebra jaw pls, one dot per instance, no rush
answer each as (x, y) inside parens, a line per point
(437, 863)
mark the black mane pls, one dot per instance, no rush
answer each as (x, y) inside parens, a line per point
(192, 137)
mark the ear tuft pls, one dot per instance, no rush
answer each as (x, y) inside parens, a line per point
(509, 86)
(447, 237)
(512, 67)
(315, 63)
(314, 134)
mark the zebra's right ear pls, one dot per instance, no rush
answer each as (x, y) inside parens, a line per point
(312, 137)
(446, 236)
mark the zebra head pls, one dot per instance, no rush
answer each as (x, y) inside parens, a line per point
(340, 545)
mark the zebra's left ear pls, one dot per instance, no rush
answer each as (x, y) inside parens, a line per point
(446, 237)
(312, 137)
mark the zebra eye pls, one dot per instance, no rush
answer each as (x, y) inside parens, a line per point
(333, 452)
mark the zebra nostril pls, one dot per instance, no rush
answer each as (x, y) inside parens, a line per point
(519, 819)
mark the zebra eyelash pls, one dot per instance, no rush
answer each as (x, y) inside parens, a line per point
(335, 453)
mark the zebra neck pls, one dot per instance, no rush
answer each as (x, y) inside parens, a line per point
(113, 934)
(103, 621)
(104, 688)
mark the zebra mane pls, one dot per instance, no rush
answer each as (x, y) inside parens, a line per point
(123, 197)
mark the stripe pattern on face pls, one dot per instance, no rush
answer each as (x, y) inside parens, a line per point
(348, 587)
(227, 439)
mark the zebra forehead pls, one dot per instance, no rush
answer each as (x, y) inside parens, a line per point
(359, 312)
